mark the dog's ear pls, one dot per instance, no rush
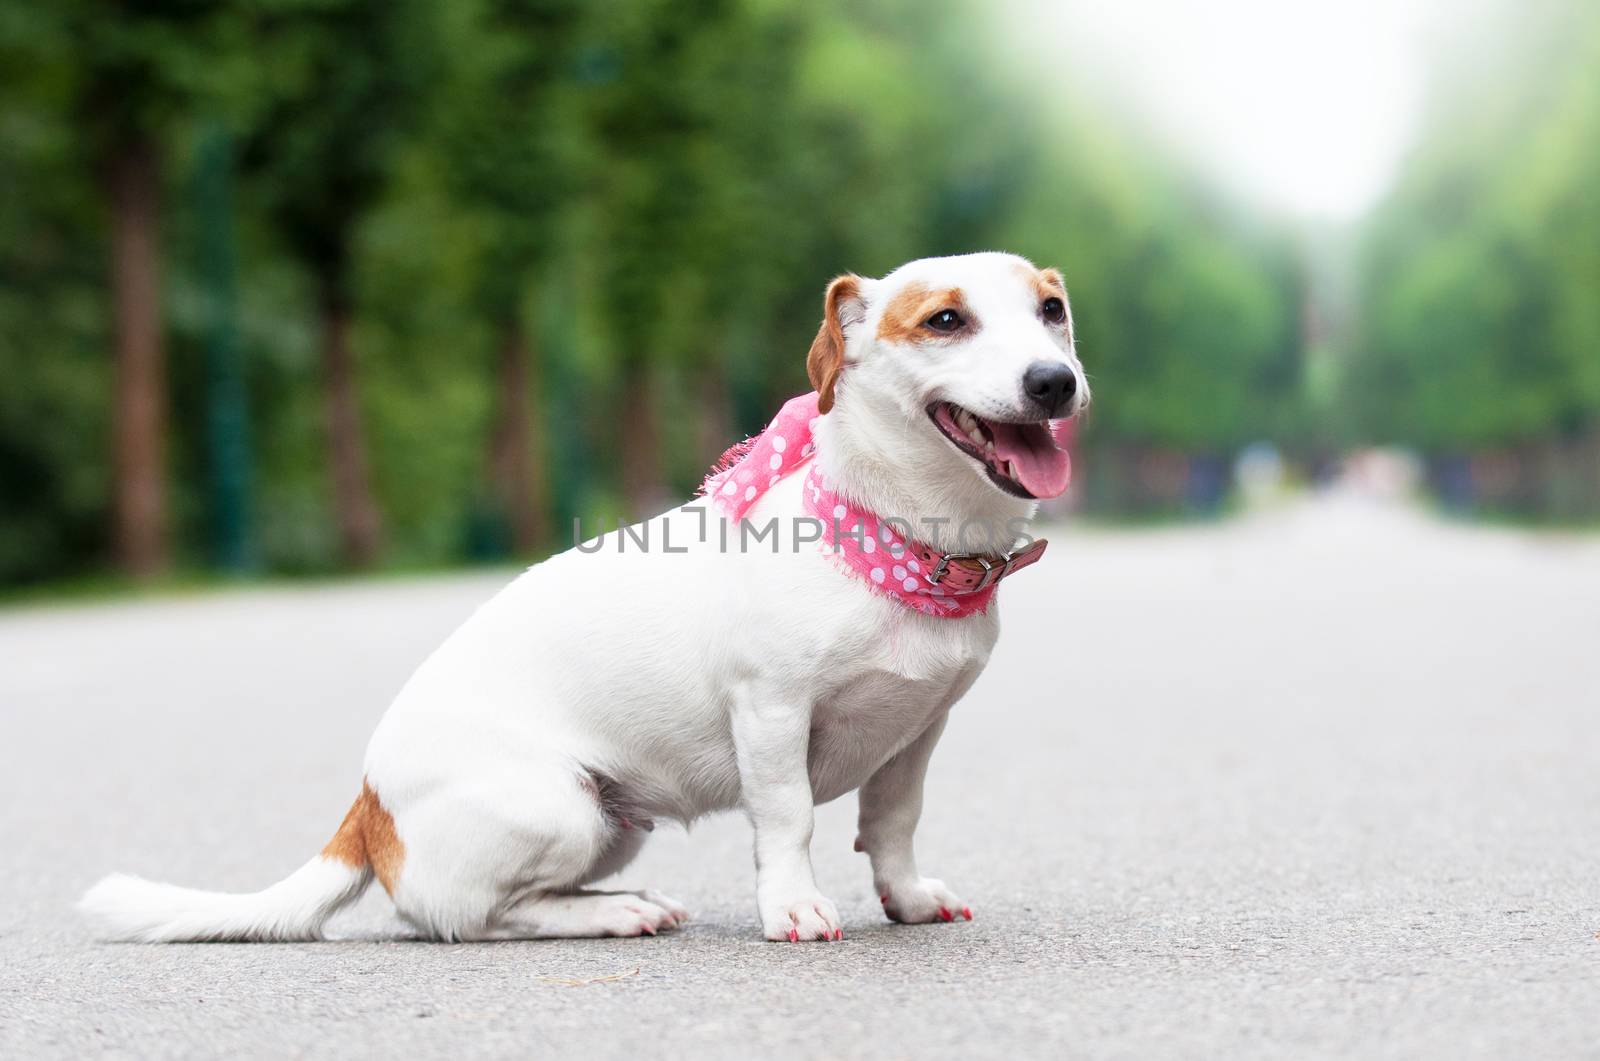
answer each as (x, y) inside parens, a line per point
(826, 360)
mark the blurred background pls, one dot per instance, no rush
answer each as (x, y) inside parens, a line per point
(304, 286)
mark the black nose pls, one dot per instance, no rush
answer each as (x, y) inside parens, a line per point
(1051, 384)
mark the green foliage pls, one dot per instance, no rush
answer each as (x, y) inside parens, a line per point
(1481, 325)
(348, 79)
(655, 190)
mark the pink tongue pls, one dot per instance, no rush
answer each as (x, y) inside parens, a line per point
(1042, 467)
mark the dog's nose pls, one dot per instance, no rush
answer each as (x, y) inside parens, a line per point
(1051, 384)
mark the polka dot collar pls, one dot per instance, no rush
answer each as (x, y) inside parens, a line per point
(947, 585)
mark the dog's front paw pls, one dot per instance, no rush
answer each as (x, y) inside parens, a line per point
(800, 920)
(922, 900)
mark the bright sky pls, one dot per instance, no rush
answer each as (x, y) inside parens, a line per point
(1304, 106)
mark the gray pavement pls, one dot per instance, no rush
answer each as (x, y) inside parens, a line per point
(1323, 782)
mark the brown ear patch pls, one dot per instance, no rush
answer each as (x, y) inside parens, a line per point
(1045, 282)
(1048, 282)
(367, 837)
(826, 358)
(905, 313)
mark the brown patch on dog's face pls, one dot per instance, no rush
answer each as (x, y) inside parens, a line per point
(367, 837)
(826, 359)
(1046, 284)
(906, 315)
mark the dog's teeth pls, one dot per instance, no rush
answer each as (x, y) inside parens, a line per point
(988, 447)
(1011, 470)
(976, 436)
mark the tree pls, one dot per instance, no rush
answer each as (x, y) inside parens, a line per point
(630, 204)
(653, 120)
(510, 152)
(350, 78)
(1479, 318)
(134, 77)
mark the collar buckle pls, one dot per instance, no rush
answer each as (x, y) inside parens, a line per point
(990, 570)
(942, 568)
(987, 570)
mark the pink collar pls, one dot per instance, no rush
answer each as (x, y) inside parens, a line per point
(947, 585)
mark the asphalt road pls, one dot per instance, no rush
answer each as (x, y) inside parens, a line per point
(1319, 783)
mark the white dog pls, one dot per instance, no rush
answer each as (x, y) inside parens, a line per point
(667, 672)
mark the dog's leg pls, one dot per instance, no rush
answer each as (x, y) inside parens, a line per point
(585, 914)
(891, 804)
(771, 736)
(620, 848)
(505, 855)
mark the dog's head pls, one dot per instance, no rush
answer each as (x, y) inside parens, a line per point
(977, 349)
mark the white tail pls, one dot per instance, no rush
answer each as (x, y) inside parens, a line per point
(138, 910)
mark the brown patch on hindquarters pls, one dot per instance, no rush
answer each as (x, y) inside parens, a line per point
(367, 837)
(905, 313)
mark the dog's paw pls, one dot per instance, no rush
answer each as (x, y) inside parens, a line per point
(678, 914)
(629, 914)
(801, 920)
(921, 901)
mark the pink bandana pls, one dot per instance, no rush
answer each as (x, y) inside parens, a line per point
(912, 572)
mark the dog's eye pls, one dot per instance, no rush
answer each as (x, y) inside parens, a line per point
(946, 320)
(1053, 310)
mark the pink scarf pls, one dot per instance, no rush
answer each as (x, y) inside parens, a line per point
(861, 544)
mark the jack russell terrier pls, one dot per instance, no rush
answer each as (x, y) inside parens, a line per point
(808, 639)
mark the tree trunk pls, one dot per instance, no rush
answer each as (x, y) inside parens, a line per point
(640, 440)
(139, 410)
(516, 456)
(714, 431)
(227, 396)
(354, 508)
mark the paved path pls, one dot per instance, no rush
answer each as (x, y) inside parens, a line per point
(1323, 783)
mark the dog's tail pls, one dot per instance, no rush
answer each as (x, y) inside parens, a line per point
(136, 910)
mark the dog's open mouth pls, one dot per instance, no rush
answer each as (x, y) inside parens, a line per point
(1020, 458)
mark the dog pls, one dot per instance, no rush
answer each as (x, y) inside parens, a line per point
(616, 684)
